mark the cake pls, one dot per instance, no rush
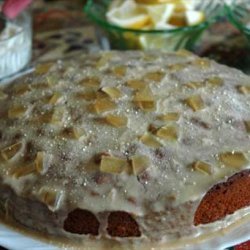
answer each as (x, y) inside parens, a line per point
(130, 147)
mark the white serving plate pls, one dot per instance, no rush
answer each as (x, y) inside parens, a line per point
(237, 234)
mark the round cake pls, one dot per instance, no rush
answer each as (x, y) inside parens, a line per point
(130, 147)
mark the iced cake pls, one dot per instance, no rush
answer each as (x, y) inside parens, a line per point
(133, 147)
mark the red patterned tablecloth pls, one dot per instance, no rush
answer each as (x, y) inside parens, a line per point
(244, 246)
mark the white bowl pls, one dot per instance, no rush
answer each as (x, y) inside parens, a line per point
(15, 45)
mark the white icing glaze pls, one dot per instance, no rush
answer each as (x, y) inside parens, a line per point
(169, 183)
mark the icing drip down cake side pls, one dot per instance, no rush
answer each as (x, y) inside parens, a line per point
(126, 146)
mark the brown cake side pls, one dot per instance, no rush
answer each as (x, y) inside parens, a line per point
(81, 221)
(224, 199)
(221, 200)
(122, 224)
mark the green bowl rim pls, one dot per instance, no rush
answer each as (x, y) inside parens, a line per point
(230, 14)
(105, 24)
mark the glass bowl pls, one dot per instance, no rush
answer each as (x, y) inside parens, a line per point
(239, 14)
(15, 45)
(166, 39)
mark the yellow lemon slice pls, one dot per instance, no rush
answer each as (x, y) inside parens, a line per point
(189, 4)
(182, 16)
(129, 15)
(160, 14)
(194, 17)
(178, 18)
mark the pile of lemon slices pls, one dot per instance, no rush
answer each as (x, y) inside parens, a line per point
(154, 14)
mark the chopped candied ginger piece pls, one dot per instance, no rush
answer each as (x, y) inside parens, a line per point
(112, 92)
(146, 105)
(244, 89)
(194, 85)
(39, 162)
(101, 95)
(202, 63)
(10, 151)
(102, 105)
(116, 120)
(149, 140)
(169, 117)
(233, 159)
(136, 84)
(247, 125)
(120, 71)
(20, 89)
(16, 111)
(214, 81)
(113, 165)
(42, 162)
(167, 133)
(149, 58)
(139, 163)
(183, 52)
(195, 102)
(79, 133)
(171, 197)
(202, 167)
(144, 99)
(104, 60)
(58, 115)
(52, 80)
(50, 197)
(177, 67)
(55, 98)
(87, 95)
(23, 171)
(43, 68)
(144, 95)
(98, 157)
(72, 133)
(45, 117)
(90, 82)
(152, 128)
(154, 76)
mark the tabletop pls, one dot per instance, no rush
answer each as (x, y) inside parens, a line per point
(61, 30)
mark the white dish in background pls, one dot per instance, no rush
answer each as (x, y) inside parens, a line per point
(15, 45)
